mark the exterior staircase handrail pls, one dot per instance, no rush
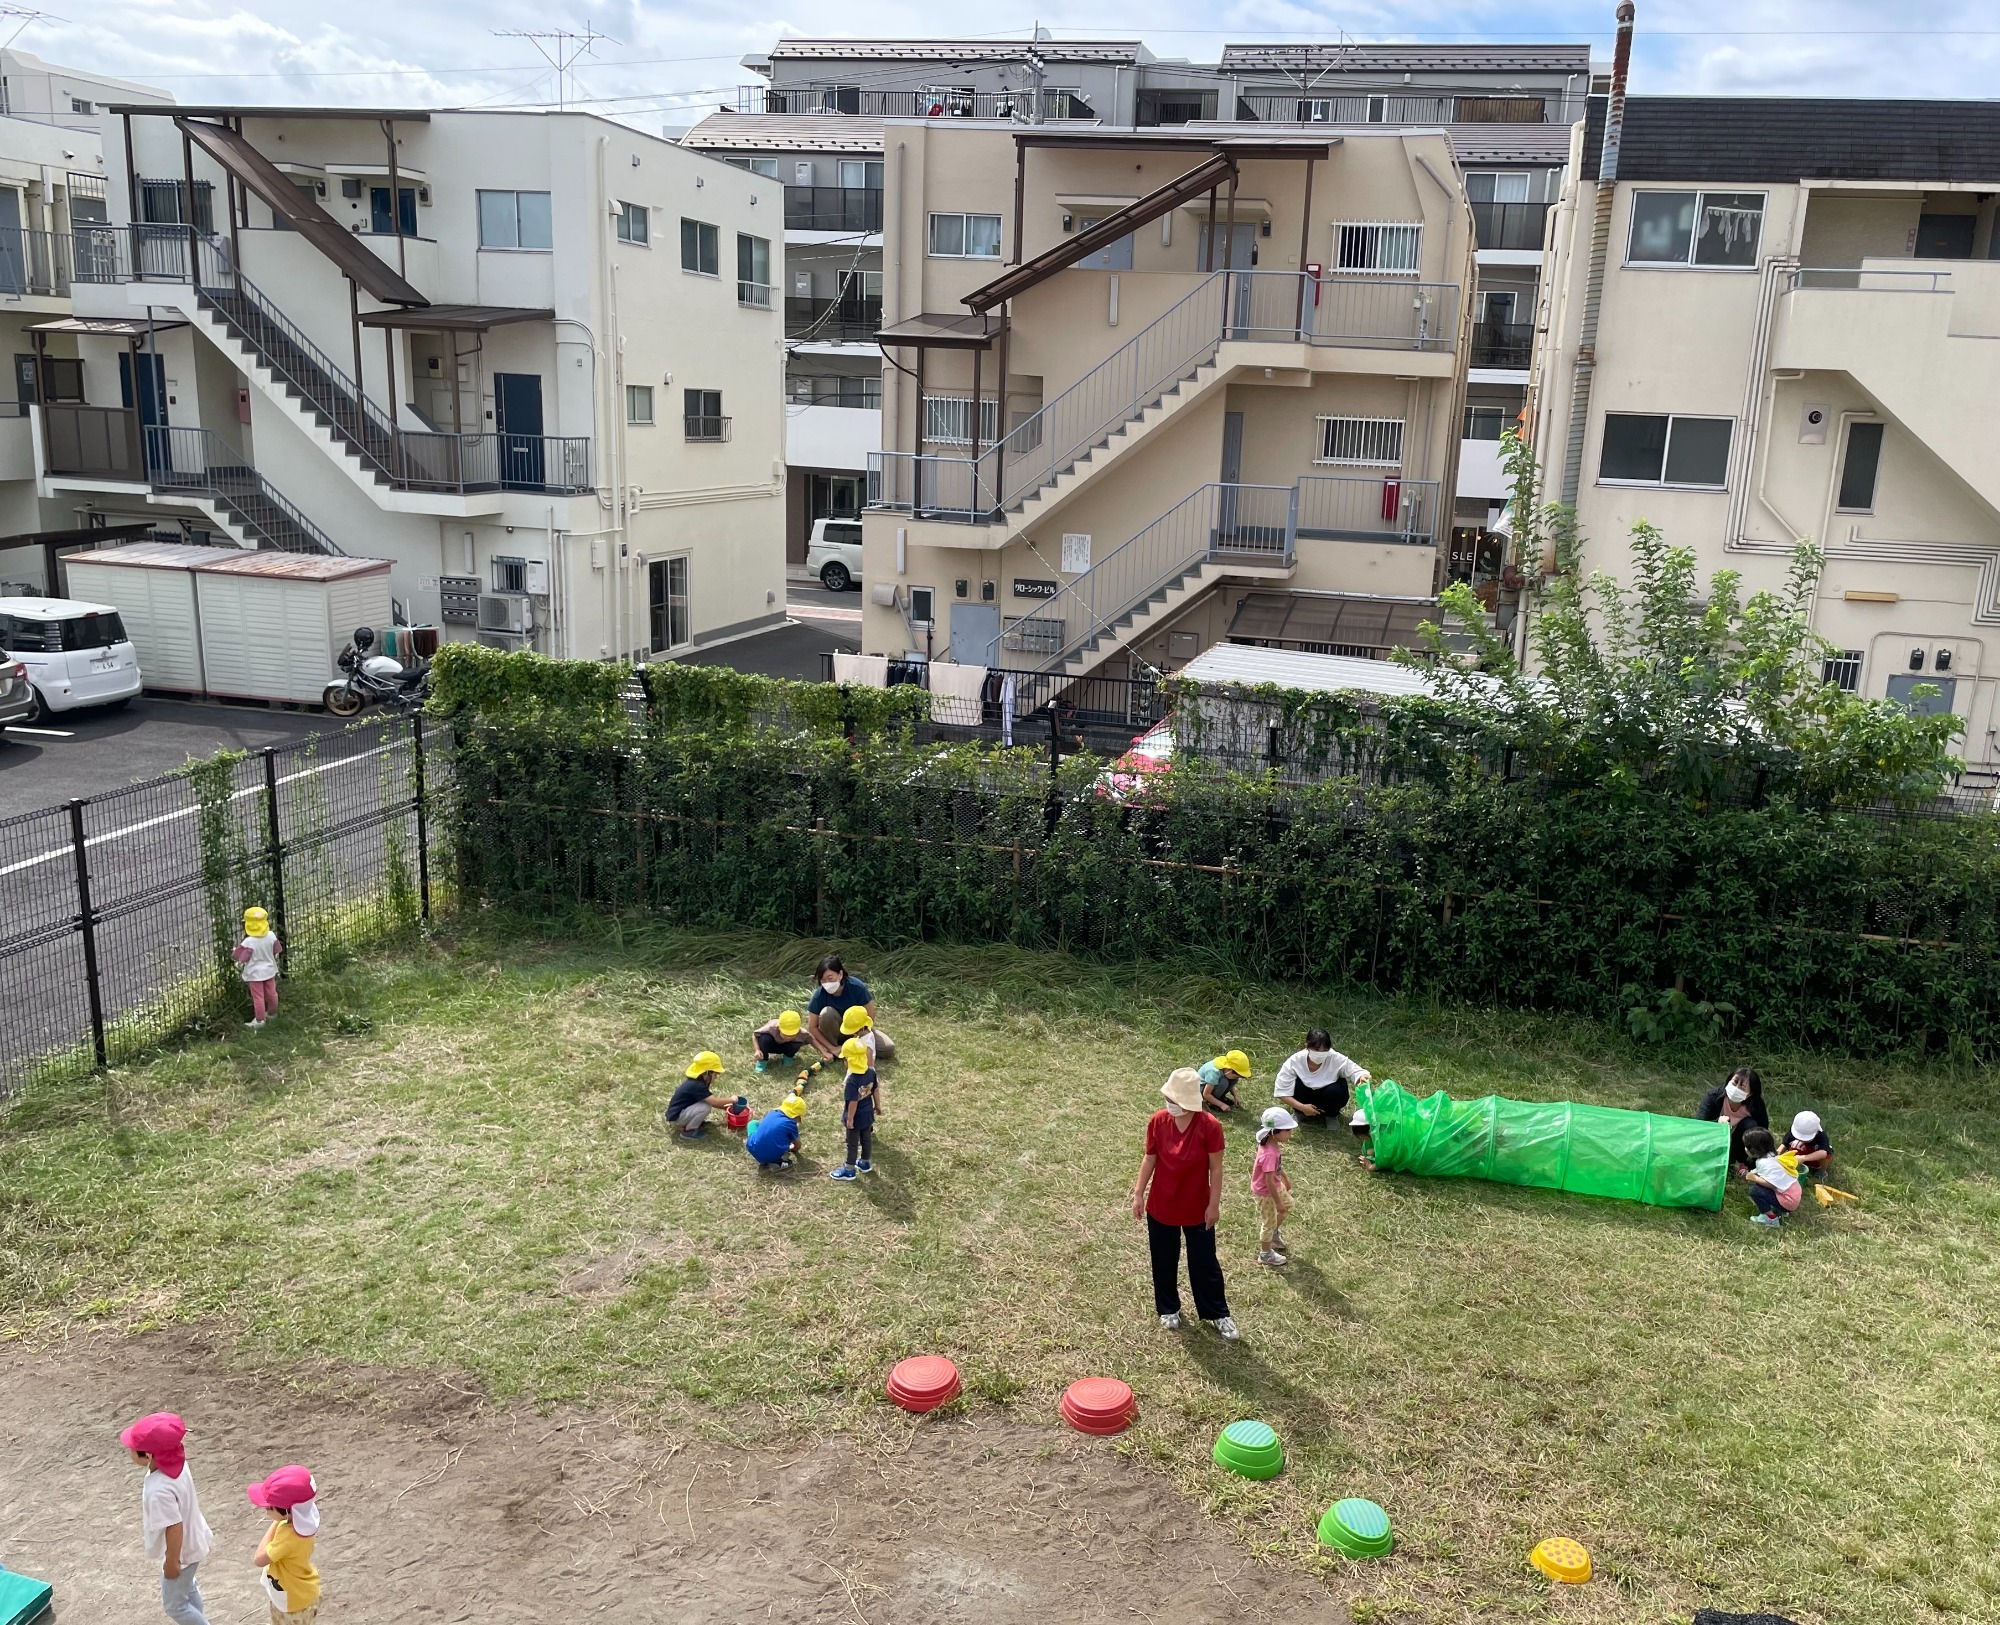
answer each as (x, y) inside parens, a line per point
(182, 462)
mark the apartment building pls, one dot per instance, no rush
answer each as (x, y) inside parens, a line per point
(1776, 318)
(52, 184)
(534, 360)
(1157, 388)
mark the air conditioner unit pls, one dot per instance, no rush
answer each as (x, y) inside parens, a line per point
(502, 612)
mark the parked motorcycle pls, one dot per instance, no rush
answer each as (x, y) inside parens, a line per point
(375, 679)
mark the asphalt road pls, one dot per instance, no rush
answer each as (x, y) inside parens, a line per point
(84, 753)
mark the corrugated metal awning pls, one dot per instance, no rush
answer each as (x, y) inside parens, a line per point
(1330, 623)
(455, 318)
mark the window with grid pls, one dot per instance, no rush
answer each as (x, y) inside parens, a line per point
(701, 248)
(703, 411)
(1843, 670)
(635, 224)
(1376, 442)
(948, 419)
(1385, 246)
(667, 599)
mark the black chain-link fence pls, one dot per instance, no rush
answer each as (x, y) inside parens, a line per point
(118, 911)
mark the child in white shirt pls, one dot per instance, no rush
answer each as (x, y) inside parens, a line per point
(257, 954)
(1774, 1188)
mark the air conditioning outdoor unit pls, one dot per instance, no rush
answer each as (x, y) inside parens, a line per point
(503, 612)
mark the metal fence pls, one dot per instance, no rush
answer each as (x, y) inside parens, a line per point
(117, 911)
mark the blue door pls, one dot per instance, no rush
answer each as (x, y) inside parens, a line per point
(517, 407)
(147, 390)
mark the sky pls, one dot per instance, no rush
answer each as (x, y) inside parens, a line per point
(668, 63)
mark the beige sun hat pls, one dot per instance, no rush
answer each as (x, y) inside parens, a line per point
(1183, 1089)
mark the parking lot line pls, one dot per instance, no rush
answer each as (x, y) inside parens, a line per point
(41, 733)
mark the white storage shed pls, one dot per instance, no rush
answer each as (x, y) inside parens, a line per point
(234, 623)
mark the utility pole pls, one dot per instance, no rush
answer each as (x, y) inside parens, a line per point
(1037, 67)
(561, 49)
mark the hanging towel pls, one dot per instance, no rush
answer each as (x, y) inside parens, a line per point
(1007, 687)
(870, 671)
(955, 692)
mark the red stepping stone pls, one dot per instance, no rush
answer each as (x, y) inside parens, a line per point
(923, 1383)
(1101, 1405)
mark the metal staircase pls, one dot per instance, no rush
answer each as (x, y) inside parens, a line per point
(202, 467)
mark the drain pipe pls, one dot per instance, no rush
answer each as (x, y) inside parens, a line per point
(1600, 246)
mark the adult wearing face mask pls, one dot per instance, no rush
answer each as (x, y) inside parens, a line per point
(837, 993)
(1739, 1105)
(1314, 1082)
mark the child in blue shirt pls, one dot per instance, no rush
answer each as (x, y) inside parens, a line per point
(863, 1106)
(773, 1140)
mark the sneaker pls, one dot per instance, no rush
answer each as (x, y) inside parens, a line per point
(1170, 1323)
(1278, 1241)
(763, 1066)
(1271, 1256)
(693, 1133)
(843, 1173)
(864, 1166)
(1227, 1327)
(1765, 1221)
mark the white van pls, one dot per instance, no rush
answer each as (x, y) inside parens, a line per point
(834, 553)
(76, 654)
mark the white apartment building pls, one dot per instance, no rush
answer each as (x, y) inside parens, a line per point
(534, 360)
(1161, 388)
(1774, 319)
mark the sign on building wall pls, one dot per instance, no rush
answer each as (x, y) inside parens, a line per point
(1075, 553)
(1024, 588)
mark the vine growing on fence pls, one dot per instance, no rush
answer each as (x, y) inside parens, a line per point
(224, 853)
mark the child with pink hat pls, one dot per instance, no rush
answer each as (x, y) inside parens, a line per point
(285, 1554)
(177, 1535)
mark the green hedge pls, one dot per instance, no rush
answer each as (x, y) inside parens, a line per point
(753, 806)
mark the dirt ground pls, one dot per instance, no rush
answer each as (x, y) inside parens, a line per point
(438, 1507)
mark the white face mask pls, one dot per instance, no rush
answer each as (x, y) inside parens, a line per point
(1736, 1092)
(1319, 1057)
(831, 983)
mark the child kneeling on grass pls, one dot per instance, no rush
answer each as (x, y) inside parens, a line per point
(285, 1554)
(688, 1108)
(1270, 1184)
(864, 1105)
(1774, 1188)
(773, 1140)
(1810, 1145)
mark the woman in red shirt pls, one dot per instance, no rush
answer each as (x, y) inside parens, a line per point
(1179, 1194)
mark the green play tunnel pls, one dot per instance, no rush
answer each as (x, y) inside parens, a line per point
(1556, 1145)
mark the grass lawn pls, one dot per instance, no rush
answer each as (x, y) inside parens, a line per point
(452, 1159)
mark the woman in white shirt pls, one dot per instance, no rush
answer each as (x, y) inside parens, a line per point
(1314, 1082)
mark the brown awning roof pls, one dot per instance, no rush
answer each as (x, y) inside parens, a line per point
(402, 115)
(105, 327)
(1328, 623)
(942, 332)
(455, 318)
(1210, 173)
(309, 220)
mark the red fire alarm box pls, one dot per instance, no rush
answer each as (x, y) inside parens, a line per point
(1392, 498)
(242, 404)
(1315, 271)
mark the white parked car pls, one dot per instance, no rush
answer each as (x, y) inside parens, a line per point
(76, 654)
(834, 553)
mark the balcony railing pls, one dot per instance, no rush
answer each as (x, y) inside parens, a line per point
(1510, 225)
(833, 208)
(755, 294)
(1503, 344)
(862, 393)
(707, 428)
(1356, 508)
(556, 464)
(93, 443)
(947, 102)
(833, 321)
(1292, 107)
(35, 262)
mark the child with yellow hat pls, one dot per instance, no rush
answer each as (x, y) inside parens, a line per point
(863, 1105)
(697, 1095)
(1219, 1079)
(773, 1140)
(857, 1025)
(779, 1039)
(257, 954)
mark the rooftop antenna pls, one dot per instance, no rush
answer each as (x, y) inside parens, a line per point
(25, 15)
(561, 49)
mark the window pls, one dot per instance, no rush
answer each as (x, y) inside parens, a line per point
(701, 248)
(1485, 422)
(639, 403)
(1497, 304)
(965, 236)
(1858, 468)
(948, 419)
(1378, 441)
(510, 575)
(1843, 670)
(635, 224)
(1112, 257)
(379, 221)
(753, 270)
(767, 167)
(78, 105)
(1719, 229)
(667, 594)
(25, 634)
(864, 174)
(703, 410)
(1376, 247)
(165, 203)
(1503, 186)
(1643, 449)
(516, 220)
(922, 612)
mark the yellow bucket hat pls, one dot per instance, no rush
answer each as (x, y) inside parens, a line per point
(706, 1061)
(793, 1107)
(854, 1020)
(855, 1054)
(1235, 1061)
(789, 1023)
(255, 922)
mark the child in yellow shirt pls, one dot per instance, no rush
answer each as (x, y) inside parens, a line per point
(291, 1583)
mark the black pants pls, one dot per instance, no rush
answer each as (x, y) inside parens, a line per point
(1330, 1098)
(861, 1137)
(1211, 1302)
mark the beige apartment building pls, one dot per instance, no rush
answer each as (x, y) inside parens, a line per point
(1770, 319)
(1151, 389)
